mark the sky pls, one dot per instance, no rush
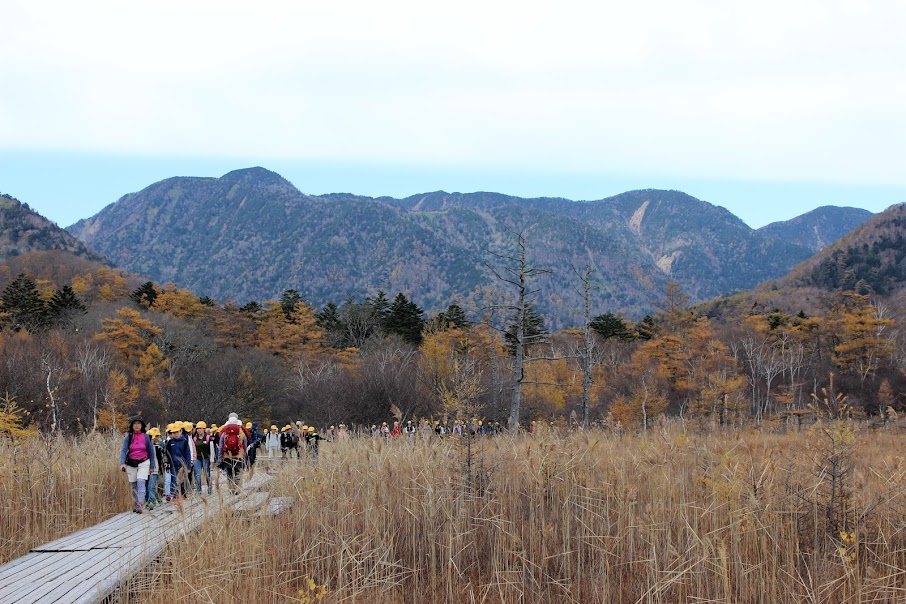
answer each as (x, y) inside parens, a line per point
(768, 109)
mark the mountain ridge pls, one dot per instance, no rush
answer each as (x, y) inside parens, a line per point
(251, 233)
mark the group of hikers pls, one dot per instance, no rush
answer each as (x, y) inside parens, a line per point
(169, 467)
(181, 461)
(425, 428)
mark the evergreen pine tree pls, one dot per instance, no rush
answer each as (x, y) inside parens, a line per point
(405, 319)
(610, 326)
(646, 328)
(23, 306)
(455, 316)
(533, 330)
(145, 295)
(64, 306)
(288, 303)
(253, 308)
(206, 301)
(381, 306)
(328, 319)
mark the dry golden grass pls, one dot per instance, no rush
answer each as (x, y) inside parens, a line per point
(590, 517)
(50, 488)
(587, 518)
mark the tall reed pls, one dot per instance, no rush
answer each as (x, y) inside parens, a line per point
(51, 487)
(587, 517)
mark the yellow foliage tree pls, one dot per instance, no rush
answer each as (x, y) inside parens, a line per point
(552, 383)
(178, 302)
(863, 336)
(296, 338)
(119, 398)
(12, 419)
(129, 334)
(106, 284)
(151, 369)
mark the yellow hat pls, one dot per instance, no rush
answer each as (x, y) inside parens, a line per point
(213, 426)
(154, 432)
(201, 425)
(172, 428)
(187, 426)
(285, 428)
(273, 427)
(248, 424)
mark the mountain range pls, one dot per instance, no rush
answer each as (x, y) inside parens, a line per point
(251, 234)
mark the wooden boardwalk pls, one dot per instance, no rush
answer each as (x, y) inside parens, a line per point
(88, 566)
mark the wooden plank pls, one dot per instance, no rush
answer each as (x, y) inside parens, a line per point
(90, 564)
(31, 578)
(277, 505)
(251, 503)
(98, 586)
(67, 577)
(12, 566)
(81, 541)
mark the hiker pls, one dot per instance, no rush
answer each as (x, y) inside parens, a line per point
(285, 441)
(232, 449)
(385, 430)
(152, 499)
(180, 454)
(188, 428)
(311, 442)
(203, 443)
(397, 431)
(410, 431)
(294, 441)
(272, 442)
(342, 434)
(137, 459)
(255, 440)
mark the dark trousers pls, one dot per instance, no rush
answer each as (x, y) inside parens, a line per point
(232, 467)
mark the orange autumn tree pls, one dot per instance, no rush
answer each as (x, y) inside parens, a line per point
(293, 335)
(178, 302)
(119, 396)
(131, 336)
(685, 365)
(551, 384)
(863, 336)
(105, 284)
(452, 361)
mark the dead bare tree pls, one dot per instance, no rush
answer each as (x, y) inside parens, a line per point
(516, 271)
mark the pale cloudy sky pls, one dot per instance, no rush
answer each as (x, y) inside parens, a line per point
(769, 108)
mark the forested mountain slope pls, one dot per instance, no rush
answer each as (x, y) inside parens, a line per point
(251, 234)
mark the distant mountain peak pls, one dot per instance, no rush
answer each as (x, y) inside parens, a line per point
(255, 176)
(22, 230)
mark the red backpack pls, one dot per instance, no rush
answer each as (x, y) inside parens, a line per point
(232, 443)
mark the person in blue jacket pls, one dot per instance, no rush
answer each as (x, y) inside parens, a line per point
(180, 460)
(137, 460)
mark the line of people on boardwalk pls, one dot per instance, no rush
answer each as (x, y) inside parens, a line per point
(181, 461)
(425, 428)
